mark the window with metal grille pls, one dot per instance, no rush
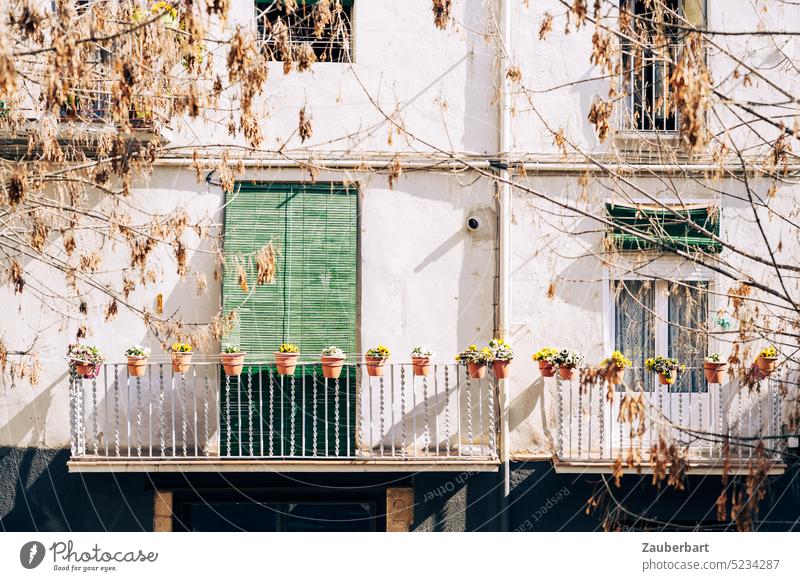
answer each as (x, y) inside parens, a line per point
(656, 317)
(657, 29)
(288, 30)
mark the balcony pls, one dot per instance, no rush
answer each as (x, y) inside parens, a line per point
(203, 420)
(715, 429)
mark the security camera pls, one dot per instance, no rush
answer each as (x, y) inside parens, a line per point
(473, 223)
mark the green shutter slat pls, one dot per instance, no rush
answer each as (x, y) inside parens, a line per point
(668, 229)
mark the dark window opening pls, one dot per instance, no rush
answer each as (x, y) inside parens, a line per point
(323, 26)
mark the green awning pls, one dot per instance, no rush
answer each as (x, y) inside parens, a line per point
(668, 230)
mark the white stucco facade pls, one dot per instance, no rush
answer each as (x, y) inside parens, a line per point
(425, 278)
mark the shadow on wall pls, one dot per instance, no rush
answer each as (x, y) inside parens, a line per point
(37, 493)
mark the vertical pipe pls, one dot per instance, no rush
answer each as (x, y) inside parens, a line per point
(504, 231)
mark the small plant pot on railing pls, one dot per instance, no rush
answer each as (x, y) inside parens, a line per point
(137, 365)
(476, 370)
(547, 369)
(614, 375)
(502, 368)
(85, 370)
(232, 363)
(286, 363)
(715, 371)
(331, 366)
(766, 364)
(421, 366)
(181, 361)
(566, 373)
(664, 380)
(375, 366)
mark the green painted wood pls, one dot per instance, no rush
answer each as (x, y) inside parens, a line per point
(312, 303)
(670, 228)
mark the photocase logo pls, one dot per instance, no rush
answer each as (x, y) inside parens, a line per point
(31, 554)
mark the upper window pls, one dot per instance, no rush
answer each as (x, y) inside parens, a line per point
(652, 40)
(297, 29)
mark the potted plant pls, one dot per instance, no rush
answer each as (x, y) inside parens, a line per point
(421, 360)
(546, 359)
(715, 368)
(476, 360)
(181, 354)
(613, 368)
(767, 359)
(232, 360)
(502, 355)
(568, 361)
(376, 359)
(286, 358)
(137, 360)
(85, 359)
(667, 368)
(332, 359)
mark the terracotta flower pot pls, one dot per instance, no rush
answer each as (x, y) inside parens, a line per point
(476, 370)
(331, 366)
(375, 366)
(715, 372)
(614, 375)
(286, 362)
(137, 365)
(566, 373)
(181, 361)
(232, 363)
(502, 368)
(86, 370)
(546, 368)
(766, 364)
(421, 365)
(664, 380)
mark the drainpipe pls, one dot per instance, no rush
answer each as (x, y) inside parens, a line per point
(504, 231)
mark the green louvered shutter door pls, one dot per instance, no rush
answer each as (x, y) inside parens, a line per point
(312, 302)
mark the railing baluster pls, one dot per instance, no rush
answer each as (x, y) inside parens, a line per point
(580, 417)
(116, 410)
(162, 415)
(228, 414)
(260, 411)
(206, 437)
(447, 408)
(381, 413)
(469, 415)
(336, 415)
(293, 411)
(492, 425)
(303, 413)
(271, 412)
(314, 415)
(250, 436)
(403, 410)
(327, 422)
(139, 417)
(427, 435)
(560, 394)
(601, 418)
(283, 422)
(239, 413)
(361, 402)
(347, 411)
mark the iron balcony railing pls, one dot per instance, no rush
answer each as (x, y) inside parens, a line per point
(205, 415)
(716, 423)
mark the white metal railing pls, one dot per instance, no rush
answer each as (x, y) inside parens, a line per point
(726, 421)
(202, 414)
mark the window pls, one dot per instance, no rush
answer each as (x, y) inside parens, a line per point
(664, 229)
(323, 26)
(657, 29)
(655, 317)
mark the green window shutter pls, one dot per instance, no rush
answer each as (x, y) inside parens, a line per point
(668, 229)
(312, 303)
(313, 300)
